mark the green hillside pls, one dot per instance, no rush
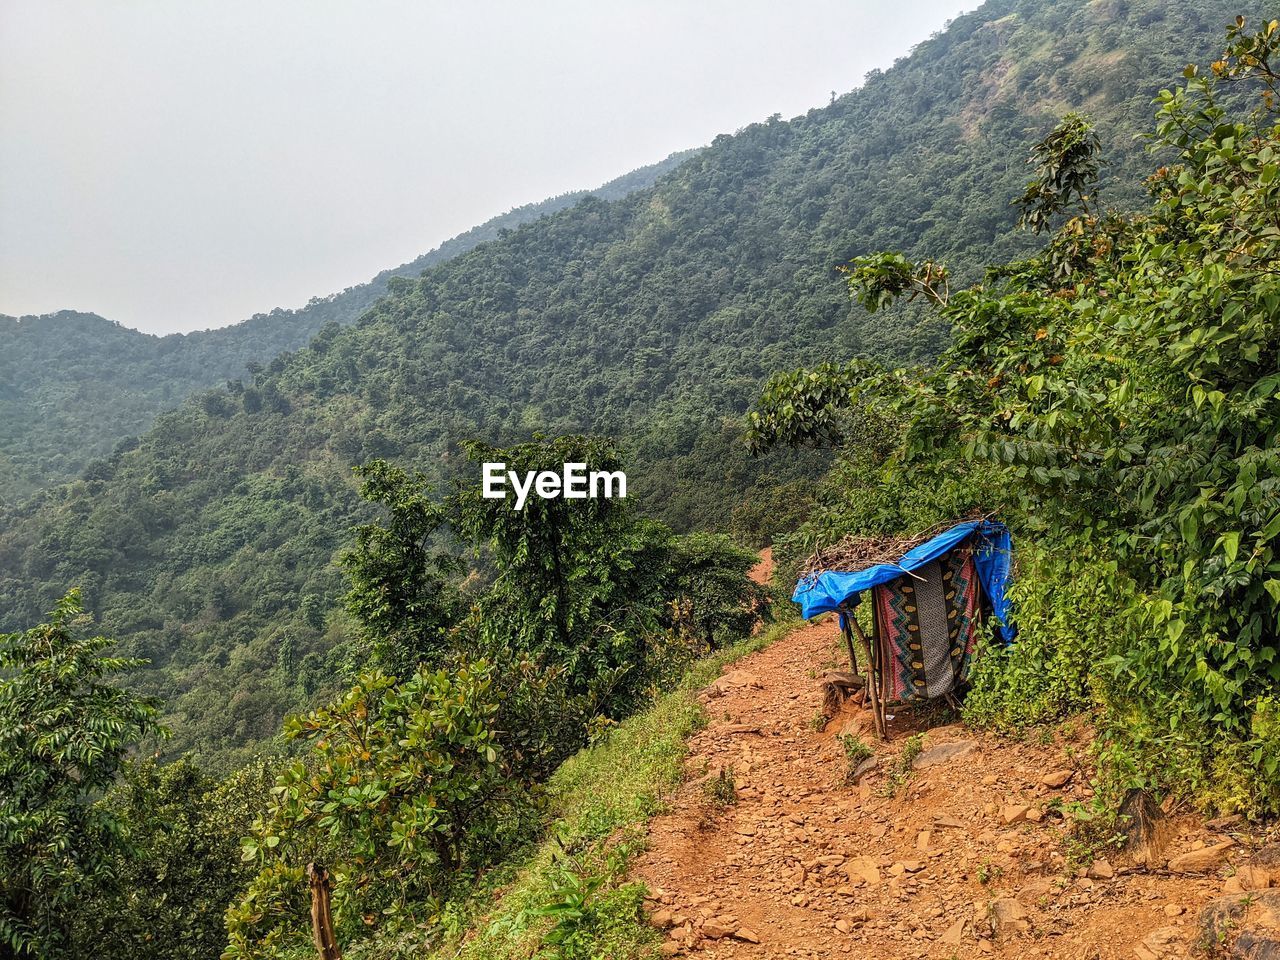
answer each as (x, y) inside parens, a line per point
(516, 731)
(207, 545)
(73, 385)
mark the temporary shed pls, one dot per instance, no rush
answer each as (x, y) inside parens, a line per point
(928, 597)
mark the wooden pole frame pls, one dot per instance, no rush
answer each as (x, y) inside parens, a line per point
(873, 670)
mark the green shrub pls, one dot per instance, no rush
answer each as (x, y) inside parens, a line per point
(397, 779)
(900, 771)
(182, 867)
(1071, 615)
(592, 914)
(709, 594)
(65, 733)
(722, 789)
(398, 591)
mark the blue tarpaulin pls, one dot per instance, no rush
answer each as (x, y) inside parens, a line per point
(992, 554)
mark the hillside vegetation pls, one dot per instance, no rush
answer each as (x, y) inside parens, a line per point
(458, 703)
(493, 700)
(1115, 397)
(73, 385)
(207, 546)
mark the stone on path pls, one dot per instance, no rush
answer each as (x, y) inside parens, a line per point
(862, 869)
(1246, 879)
(1059, 778)
(715, 930)
(1162, 944)
(1101, 870)
(1015, 812)
(734, 679)
(1147, 831)
(1008, 916)
(943, 752)
(865, 767)
(1253, 922)
(1267, 860)
(1201, 861)
(954, 934)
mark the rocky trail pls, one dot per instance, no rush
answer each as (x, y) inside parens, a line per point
(961, 851)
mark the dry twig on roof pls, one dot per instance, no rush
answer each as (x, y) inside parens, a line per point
(853, 554)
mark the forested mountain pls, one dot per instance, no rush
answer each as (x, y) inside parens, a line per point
(208, 544)
(73, 385)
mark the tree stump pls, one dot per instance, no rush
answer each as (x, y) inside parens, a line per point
(1146, 831)
(837, 687)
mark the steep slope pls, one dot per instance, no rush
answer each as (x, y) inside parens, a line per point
(207, 545)
(73, 385)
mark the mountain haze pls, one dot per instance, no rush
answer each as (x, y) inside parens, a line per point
(73, 385)
(207, 545)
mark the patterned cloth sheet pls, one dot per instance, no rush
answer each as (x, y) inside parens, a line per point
(925, 624)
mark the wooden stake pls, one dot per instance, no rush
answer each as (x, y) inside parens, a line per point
(873, 678)
(848, 642)
(322, 933)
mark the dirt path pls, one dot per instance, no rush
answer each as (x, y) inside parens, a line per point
(965, 859)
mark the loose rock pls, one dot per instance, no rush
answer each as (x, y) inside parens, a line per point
(1015, 812)
(1008, 916)
(1202, 860)
(1059, 778)
(944, 752)
(1101, 870)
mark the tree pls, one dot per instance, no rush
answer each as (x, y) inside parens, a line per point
(577, 580)
(64, 733)
(573, 619)
(710, 595)
(398, 591)
(1067, 162)
(183, 865)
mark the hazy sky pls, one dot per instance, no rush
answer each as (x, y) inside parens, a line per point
(179, 165)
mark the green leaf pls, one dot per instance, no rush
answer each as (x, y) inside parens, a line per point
(1231, 545)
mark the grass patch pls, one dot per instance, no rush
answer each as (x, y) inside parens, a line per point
(722, 789)
(912, 747)
(566, 897)
(855, 751)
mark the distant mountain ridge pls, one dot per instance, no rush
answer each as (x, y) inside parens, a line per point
(73, 385)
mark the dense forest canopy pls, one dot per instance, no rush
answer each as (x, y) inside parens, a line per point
(73, 385)
(209, 544)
